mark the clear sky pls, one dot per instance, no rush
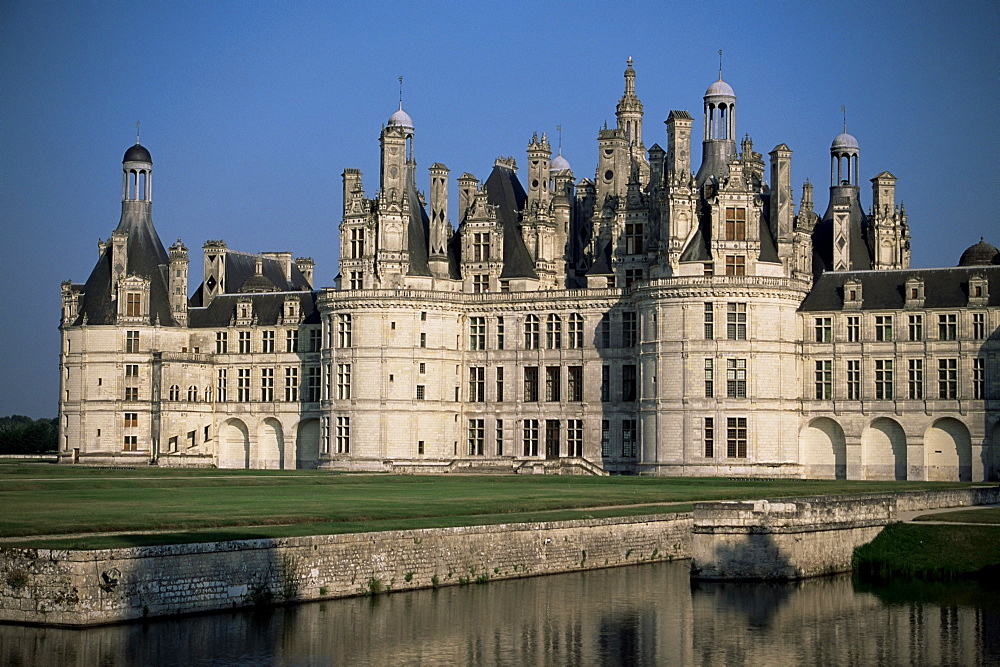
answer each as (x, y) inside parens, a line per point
(252, 110)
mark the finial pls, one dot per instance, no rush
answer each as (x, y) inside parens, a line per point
(559, 129)
(630, 61)
(400, 92)
(136, 133)
(720, 64)
(843, 110)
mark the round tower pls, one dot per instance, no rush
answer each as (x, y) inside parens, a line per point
(844, 154)
(137, 174)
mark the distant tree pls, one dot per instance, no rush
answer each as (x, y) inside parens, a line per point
(24, 435)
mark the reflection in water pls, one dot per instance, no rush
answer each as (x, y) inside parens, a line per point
(648, 614)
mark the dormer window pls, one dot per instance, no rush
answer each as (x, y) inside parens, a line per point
(291, 311)
(853, 296)
(979, 290)
(914, 293)
(133, 299)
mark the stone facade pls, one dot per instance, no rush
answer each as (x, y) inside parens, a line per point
(656, 319)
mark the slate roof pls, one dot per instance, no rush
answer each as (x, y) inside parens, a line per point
(885, 290)
(418, 229)
(267, 307)
(504, 191)
(241, 266)
(823, 235)
(602, 264)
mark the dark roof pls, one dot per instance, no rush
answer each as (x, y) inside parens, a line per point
(602, 265)
(768, 246)
(698, 249)
(885, 290)
(266, 307)
(980, 254)
(418, 228)
(137, 153)
(241, 266)
(504, 191)
(823, 234)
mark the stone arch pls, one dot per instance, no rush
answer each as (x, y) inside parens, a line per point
(234, 445)
(948, 451)
(883, 450)
(307, 444)
(824, 449)
(270, 445)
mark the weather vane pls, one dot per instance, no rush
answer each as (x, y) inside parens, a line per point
(400, 91)
(136, 132)
(843, 110)
(720, 64)
(559, 130)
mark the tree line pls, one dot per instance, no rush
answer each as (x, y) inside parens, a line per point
(24, 435)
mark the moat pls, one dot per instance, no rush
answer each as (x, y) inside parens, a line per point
(646, 614)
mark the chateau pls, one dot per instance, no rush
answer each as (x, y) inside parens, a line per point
(659, 318)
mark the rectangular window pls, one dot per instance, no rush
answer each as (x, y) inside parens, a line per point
(327, 381)
(315, 340)
(267, 341)
(574, 437)
(630, 329)
(423, 339)
(629, 437)
(736, 321)
(131, 370)
(948, 326)
(575, 383)
(477, 437)
(530, 437)
(131, 419)
(605, 383)
(853, 328)
(736, 224)
(477, 333)
(883, 327)
(709, 378)
(915, 378)
(633, 238)
(244, 342)
(343, 381)
(883, 379)
(422, 368)
(552, 382)
(499, 384)
(604, 331)
(736, 437)
(267, 384)
(498, 438)
(736, 378)
(979, 378)
(709, 437)
(344, 326)
(824, 380)
(243, 385)
(312, 384)
(531, 332)
(357, 280)
(291, 384)
(292, 340)
(131, 443)
(421, 392)
(131, 393)
(854, 380)
(324, 442)
(530, 383)
(947, 378)
(477, 384)
(553, 332)
(131, 341)
(499, 333)
(576, 331)
(605, 438)
(629, 384)
(357, 243)
(915, 327)
(979, 326)
(420, 446)
(132, 305)
(343, 435)
(221, 342)
(736, 265)
(824, 329)
(480, 283)
(221, 385)
(481, 247)
(709, 321)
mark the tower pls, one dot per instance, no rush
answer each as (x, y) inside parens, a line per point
(629, 112)
(439, 225)
(839, 238)
(393, 205)
(719, 143)
(177, 282)
(888, 229)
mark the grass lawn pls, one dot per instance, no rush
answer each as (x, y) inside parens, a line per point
(931, 552)
(209, 504)
(985, 515)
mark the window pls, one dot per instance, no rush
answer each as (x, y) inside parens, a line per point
(530, 437)
(131, 394)
(709, 437)
(192, 394)
(422, 368)
(883, 327)
(947, 378)
(736, 224)
(883, 379)
(576, 331)
(499, 333)
(327, 382)
(605, 437)
(131, 341)
(633, 238)
(499, 437)
(131, 370)
(207, 433)
(531, 332)
(292, 340)
(131, 419)
(131, 443)
(628, 382)
(343, 435)
(267, 384)
(948, 326)
(315, 339)
(709, 378)
(357, 280)
(709, 321)
(291, 384)
(477, 333)
(499, 384)
(629, 437)
(736, 437)
(736, 321)
(324, 437)
(552, 438)
(979, 378)
(530, 383)
(221, 385)
(423, 315)
(824, 380)
(190, 438)
(244, 342)
(243, 385)
(553, 332)
(575, 383)
(480, 283)
(421, 392)
(481, 247)
(915, 378)
(477, 384)
(632, 276)
(574, 437)
(824, 329)
(343, 381)
(853, 328)
(552, 382)
(357, 243)
(221, 342)
(915, 327)
(854, 380)
(423, 339)
(132, 307)
(736, 265)
(420, 446)
(173, 394)
(979, 326)
(736, 378)
(477, 437)
(267, 341)
(312, 384)
(605, 383)
(629, 329)
(604, 331)
(344, 324)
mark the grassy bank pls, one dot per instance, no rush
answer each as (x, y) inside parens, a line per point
(942, 553)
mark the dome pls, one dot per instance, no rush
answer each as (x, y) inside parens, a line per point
(258, 283)
(401, 119)
(559, 163)
(845, 141)
(720, 89)
(980, 254)
(137, 153)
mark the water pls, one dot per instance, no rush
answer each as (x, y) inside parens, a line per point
(647, 614)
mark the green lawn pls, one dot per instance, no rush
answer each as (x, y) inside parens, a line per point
(209, 504)
(931, 552)
(986, 515)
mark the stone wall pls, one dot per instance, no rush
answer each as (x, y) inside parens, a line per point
(57, 587)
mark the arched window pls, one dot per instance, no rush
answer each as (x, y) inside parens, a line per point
(175, 393)
(576, 331)
(208, 394)
(192, 394)
(531, 332)
(553, 332)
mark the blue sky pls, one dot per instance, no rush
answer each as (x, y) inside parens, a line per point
(252, 110)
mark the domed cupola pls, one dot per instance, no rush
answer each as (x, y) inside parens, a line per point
(137, 153)
(559, 163)
(401, 119)
(719, 144)
(980, 254)
(137, 173)
(844, 154)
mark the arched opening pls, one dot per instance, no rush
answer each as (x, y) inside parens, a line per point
(948, 451)
(824, 450)
(141, 192)
(270, 445)
(234, 445)
(307, 444)
(883, 450)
